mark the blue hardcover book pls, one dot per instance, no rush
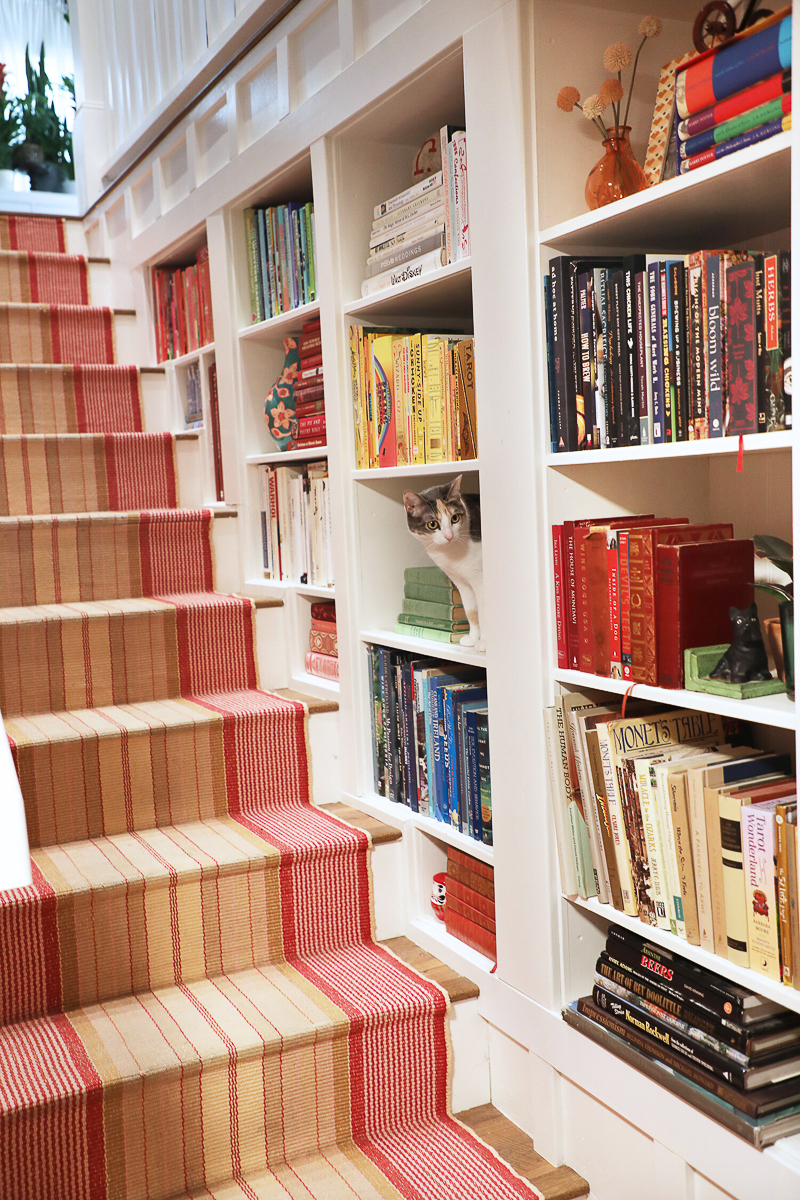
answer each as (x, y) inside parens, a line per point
(656, 351)
(436, 779)
(452, 697)
(463, 704)
(472, 770)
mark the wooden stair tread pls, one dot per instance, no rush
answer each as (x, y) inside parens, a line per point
(555, 1183)
(315, 704)
(379, 831)
(456, 986)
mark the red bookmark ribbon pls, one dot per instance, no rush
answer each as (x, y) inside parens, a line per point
(740, 455)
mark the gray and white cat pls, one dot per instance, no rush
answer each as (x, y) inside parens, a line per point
(449, 527)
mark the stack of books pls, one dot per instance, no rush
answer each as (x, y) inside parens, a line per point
(281, 258)
(308, 424)
(643, 350)
(182, 308)
(424, 227)
(194, 397)
(665, 817)
(749, 87)
(430, 739)
(633, 593)
(469, 902)
(296, 523)
(413, 398)
(432, 607)
(731, 1053)
(322, 657)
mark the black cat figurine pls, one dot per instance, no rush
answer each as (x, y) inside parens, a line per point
(745, 659)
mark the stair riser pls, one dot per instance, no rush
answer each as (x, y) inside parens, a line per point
(69, 559)
(124, 658)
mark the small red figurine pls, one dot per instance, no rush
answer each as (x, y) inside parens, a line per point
(438, 893)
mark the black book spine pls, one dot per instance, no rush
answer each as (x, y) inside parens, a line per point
(785, 284)
(616, 319)
(551, 374)
(678, 300)
(384, 759)
(563, 356)
(402, 774)
(761, 353)
(672, 1003)
(590, 440)
(662, 1033)
(690, 986)
(631, 265)
(642, 360)
(605, 338)
(409, 742)
(667, 363)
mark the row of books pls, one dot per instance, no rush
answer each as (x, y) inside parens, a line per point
(430, 739)
(194, 416)
(308, 426)
(643, 350)
(296, 523)
(432, 607)
(424, 227)
(469, 913)
(729, 1052)
(632, 594)
(748, 82)
(661, 816)
(413, 398)
(322, 656)
(182, 308)
(281, 258)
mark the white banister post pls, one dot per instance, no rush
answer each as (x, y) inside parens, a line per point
(15, 859)
(90, 50)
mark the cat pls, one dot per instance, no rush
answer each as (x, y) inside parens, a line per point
(745, 659)
(449, 527)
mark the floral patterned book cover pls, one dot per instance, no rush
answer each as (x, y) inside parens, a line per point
(741, 412)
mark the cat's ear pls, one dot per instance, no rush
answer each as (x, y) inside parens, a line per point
(454, 491)
(412, 502)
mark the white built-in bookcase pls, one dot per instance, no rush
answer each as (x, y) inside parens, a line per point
(305, 117)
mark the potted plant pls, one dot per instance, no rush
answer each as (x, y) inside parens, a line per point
(780, 584)
(38, 153)
(9, 133)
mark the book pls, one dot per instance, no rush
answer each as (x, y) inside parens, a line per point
(323, 643)
(696, 585)
(740, 102)
(402, 199)
(470, 933)
(431, 608)
(467, 895)
(737, 125)
(324, 665)
(446, 624)
(734, 66)
(759, 860)
(750, 138)
(405, 273)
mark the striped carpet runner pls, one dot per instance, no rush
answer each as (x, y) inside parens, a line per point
(192, 1003)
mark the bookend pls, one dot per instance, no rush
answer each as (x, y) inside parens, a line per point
(699, 660)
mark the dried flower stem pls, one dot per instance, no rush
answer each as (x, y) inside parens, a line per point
(633, 79)
(598, 123)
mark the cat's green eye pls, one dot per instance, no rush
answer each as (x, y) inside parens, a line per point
(433, 524)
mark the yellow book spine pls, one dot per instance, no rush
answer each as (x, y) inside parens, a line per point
(355, 389)
(433, 401)
(417, 383)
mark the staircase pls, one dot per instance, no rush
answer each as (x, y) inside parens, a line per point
(192, 1003)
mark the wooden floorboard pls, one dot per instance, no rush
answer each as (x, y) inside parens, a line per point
(555, 1183)
(379, 831)
(456, 986)
(315, 703)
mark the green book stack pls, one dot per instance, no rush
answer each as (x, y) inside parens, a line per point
(432, 607)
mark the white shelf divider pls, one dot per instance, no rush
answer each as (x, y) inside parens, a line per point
(450, 651)
(398, 815)
(469, 465)
(276, 328)
(286, 456)
(709, 447)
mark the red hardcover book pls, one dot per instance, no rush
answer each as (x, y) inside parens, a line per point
(324, 625)
(594, 585)
(313, 426)
(472, 914)
(614, 632)
(642, 567)
(323, 610)
(323, 643)
(475, 865)
(742, 413)
(309, 373)
(312, 324)
(309, 361)
(310, 443)
(467, 895)
(310, 343)
(470, 879)
(309, 407)
(624, 606)
(323, 665)
(313, 391)
(471, 934)
(697, 583)
(215, 430)
(558, 577)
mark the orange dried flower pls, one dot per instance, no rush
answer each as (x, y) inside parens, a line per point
(617, 56)
(567, 98)
(611, 90)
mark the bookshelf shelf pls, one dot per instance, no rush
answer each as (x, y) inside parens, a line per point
(744, 976)
(183, 360)
(778, 710)
(286, 456)
(445, 294)
(747, 195)
(450, 652)
(398, 814)
(275, 587)
(276, 328)
(468, 466)
(753, 443)
(428, 929)
(306, 682)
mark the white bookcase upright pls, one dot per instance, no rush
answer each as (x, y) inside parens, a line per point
(303, 116)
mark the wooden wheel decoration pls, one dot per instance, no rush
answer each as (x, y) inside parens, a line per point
(716, 23)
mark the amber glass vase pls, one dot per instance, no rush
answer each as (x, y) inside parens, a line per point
(617, 173)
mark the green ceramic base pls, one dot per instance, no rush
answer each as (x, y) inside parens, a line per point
(702, 659)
